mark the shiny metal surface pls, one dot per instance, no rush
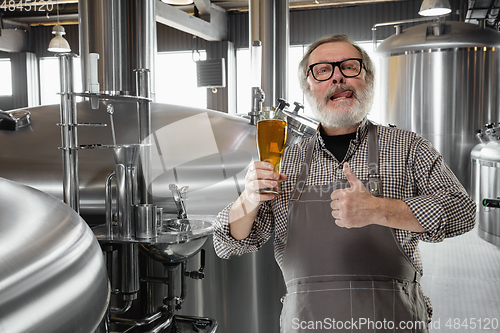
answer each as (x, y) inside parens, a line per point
(175, 246)
(485, 160)
(442, 87)
(206, 150)
(110, 28)
(214, 176)
(52, 276)
(15, 119)
(299, 127)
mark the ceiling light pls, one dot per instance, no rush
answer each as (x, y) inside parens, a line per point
(435, 7)
(177, 2)
(59, 43)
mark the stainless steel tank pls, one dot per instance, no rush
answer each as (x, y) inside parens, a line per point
(208, 151)
(441, 80)
(52, 272)
(485, 159)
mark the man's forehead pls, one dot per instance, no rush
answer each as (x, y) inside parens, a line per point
(334, 51)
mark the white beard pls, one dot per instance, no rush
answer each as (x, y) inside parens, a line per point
(342, 117)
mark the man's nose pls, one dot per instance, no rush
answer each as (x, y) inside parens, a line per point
(337, 76)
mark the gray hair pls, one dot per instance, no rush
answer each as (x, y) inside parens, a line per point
(304, 63)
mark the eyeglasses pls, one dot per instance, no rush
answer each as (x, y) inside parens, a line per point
(323, 71)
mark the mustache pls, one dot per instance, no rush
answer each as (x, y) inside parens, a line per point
(338, 89)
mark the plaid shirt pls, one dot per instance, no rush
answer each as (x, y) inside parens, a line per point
(411, 170)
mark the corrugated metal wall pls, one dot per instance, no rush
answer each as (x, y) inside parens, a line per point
(305, 26)
(356, 21)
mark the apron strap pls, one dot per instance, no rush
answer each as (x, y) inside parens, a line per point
(304, 171)
(374, 182)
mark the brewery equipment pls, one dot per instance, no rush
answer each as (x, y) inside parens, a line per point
(299, 126)
(441, 80)
(139, 223)
(485, 161)
(207, 151)
(52, 277)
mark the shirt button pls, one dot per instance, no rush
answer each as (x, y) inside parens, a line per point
(341, 166)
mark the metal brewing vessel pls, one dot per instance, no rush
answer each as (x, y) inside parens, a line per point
(441, 80)
(485, 175)
(52, 272)
(215, 178)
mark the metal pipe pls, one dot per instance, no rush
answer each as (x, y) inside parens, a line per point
(69, 135)
(130, 271)
(122, 310)
(143, 81)
(282, 47)
(138, 322)
(263, 28)
(123, 202)
(397, 25)
(109, 204)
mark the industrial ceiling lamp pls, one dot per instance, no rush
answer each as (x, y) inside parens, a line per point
(177, 2)
(435, 8)
(58, 43)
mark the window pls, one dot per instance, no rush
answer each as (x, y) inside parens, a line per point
(6, 81)
(243, 82)
(50, 82)
(176, 81)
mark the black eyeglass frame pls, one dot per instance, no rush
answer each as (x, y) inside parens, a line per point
(335, 64)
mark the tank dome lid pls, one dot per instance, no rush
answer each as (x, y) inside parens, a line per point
(426, 36)
(491, 152)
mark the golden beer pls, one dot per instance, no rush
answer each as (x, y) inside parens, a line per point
(271, 139)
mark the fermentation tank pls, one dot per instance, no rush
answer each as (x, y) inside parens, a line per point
(242, 293)
(52, 272)
(485, 175)
(441, 80)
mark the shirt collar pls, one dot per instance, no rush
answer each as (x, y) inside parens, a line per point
(361, 133)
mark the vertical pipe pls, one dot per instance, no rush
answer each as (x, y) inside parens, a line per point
(124, 202)
(129, 271)
(282, 46)
(123, 33)
(69, 135)
(267, 25)
(262, 27)
(144, 41)
(144, 115)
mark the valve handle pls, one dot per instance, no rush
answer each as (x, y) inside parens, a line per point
(493, 203)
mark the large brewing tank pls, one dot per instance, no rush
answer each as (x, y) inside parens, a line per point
(208, 151)
(441, 80)
(52, 272)
(485, 160)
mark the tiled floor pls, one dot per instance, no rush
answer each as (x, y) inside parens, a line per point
(462, 278)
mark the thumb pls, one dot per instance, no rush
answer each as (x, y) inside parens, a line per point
(351, 177)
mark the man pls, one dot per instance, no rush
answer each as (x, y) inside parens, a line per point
(356, 199)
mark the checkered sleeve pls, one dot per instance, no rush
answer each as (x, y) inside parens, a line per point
(226, 246)
(442, 205)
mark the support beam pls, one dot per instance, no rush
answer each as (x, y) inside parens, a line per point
(13, 36)
(213, 30)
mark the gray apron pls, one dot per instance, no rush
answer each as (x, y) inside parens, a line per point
(346, 280)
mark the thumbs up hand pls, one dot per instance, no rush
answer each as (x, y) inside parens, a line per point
(354, 207)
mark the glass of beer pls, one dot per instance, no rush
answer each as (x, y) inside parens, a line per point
(271, 139)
